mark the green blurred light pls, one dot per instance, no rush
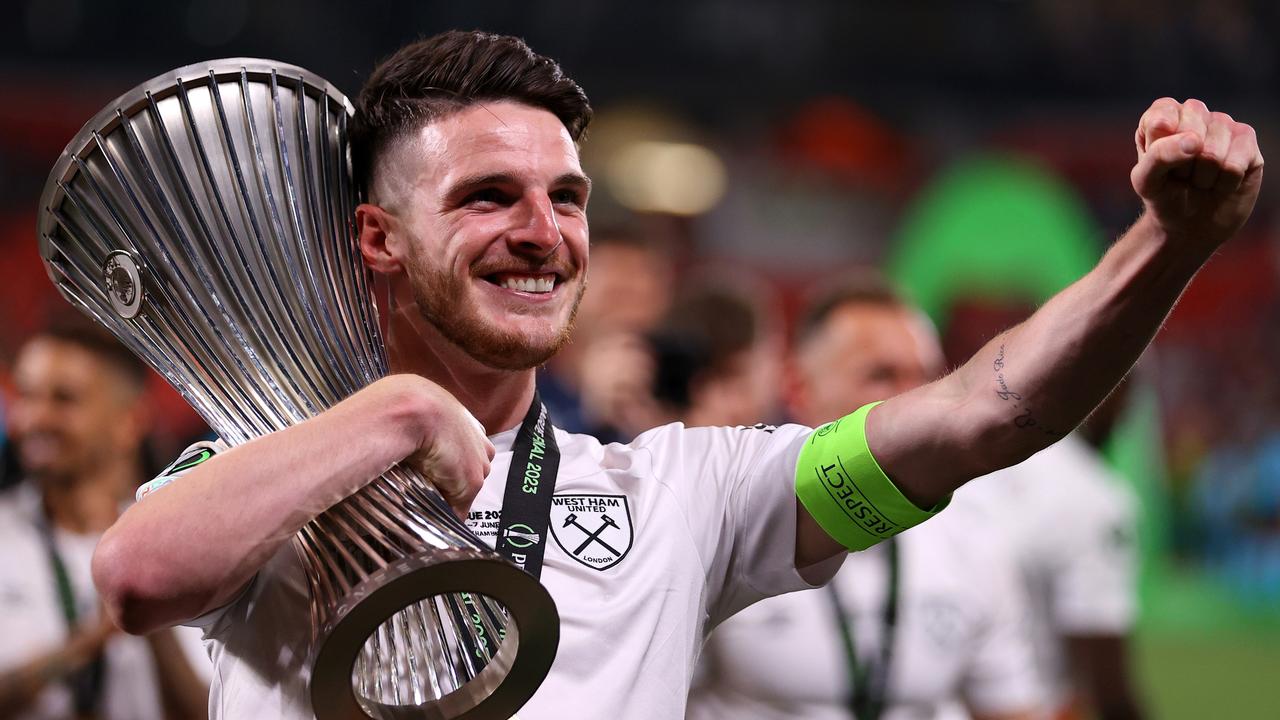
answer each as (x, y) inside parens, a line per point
(993, 226)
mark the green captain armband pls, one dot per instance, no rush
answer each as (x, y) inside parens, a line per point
(843, 488)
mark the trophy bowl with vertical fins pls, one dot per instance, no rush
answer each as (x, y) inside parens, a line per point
(206, 219)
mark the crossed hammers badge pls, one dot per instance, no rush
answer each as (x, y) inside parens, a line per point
(593, 529)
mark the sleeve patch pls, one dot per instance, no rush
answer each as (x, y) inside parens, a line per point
(192, 457)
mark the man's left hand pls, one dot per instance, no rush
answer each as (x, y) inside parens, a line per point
(1198, 172)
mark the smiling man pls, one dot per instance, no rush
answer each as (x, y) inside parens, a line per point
(467, 144)
(79, 419)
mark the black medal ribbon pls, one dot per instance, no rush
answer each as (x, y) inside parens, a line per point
(525, 519)
(870, 680)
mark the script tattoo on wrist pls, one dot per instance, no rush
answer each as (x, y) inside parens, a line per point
(1025, 417)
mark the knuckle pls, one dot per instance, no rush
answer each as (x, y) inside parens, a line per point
(1138, 177)
(1234, 168)
(1196, 105)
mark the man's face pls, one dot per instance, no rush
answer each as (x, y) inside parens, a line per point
(488, 219)
(863, 353)
(71, 412)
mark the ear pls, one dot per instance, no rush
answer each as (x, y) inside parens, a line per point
(373, 231)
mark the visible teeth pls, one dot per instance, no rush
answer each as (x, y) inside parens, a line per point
(529, 284)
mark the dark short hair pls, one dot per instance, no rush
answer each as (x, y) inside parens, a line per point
(445, 73)
(88, 335)
(862, 287)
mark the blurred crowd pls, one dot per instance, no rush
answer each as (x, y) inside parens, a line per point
(704, 319)
(708, 319)
(707, 289)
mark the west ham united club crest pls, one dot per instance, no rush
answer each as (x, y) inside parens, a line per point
(594, 529)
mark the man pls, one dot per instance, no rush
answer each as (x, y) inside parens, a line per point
(78, 422)
(906, 628)
(477, 209)
(1082, 578)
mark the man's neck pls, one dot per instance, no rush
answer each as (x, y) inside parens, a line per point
(499, 399)
(80, 506)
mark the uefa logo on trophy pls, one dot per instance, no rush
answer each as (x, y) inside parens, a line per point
(206, 219)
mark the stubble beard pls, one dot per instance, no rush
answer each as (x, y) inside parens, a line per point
(442, 301)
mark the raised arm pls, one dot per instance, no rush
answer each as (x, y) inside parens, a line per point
(1198, 175)
(191, 546)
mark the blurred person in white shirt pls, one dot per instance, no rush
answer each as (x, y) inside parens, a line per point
(78, 420)
(588, 385)
(1082, 578)
(906, 628)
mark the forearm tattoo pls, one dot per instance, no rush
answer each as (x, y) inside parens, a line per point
(1025, 417)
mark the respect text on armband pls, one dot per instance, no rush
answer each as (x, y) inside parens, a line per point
(842, 489)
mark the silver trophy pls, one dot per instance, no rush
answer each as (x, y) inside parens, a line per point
(206, 218)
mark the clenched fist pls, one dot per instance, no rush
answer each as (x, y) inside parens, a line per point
(452, 451)
(1198, 171)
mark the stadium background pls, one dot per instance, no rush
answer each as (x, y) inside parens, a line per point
(978, 148)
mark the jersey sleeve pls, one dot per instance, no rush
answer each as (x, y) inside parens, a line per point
(188, 460)
(191, 641)
(192, 457)
(736, 488)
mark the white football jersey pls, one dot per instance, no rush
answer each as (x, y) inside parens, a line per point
(702, 523)
(1072, 522)
(32, 623)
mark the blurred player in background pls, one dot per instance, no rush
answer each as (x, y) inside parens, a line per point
(1082, 576)
(726, 330)
(629, 293)
(711, 361)
(78, 421)
(907, 627)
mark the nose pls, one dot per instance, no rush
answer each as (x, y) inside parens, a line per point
(537, 233)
